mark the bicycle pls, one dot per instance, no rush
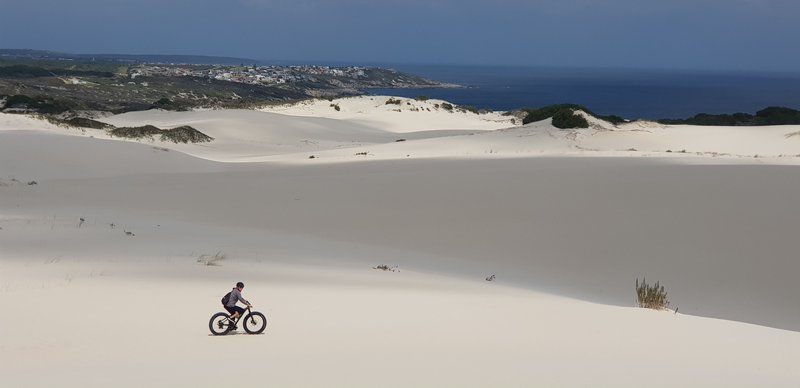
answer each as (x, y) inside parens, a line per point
(254, 323)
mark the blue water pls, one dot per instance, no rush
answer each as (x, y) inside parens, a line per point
(652, 94)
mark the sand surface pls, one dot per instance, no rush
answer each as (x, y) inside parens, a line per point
(565, 236)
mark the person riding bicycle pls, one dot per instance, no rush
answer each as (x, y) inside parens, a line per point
(235, 296)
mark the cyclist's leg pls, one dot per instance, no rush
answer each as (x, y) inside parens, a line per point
(238, 311)
(232, 311)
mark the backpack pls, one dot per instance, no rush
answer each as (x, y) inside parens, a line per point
(226, 299)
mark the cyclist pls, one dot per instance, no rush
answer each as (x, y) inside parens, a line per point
(235, 296)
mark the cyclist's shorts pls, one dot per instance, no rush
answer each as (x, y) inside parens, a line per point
(234, 309)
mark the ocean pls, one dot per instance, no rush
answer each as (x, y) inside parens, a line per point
(649, 94)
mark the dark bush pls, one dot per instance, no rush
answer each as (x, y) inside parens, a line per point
(393, 101)
(773, 115)
(136, 132)
(613, 119)
(546, 112)
(26, 71)
(167, 104)
(534, 115)
(566, 118)
(38, 104)
(182, 134)
(87, 123)
(471, 109)
(185, 134)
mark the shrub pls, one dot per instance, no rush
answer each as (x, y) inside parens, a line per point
(773, 115)
(211, 260)
(613, 119)
(38, 104)
(393, 101)
(534, 115)
(566, 118)
(447, 106)
(182, 134)
(336, 107)
(384, 267)
(87, 123)
(651, 297)
(471, 109)
(185, 134)
(136, 132)
(167, 104)
(422, 98)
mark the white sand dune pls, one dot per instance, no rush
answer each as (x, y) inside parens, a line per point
(410, 115)
(250, 136)
(565, 236)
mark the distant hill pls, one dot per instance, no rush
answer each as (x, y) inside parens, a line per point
(147, 58)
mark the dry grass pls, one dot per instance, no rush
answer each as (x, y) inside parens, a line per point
(651, 296)
(212, 260)
(384, 267)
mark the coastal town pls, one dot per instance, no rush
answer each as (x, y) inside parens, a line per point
(255, 75)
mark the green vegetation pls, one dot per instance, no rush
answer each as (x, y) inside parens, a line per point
(86, 123)
(470, 109)
(26, 71)
(393, 101)
(651, 297)
(422, 98)
(549, 111)
(447, 106)
(36, 104)
(566, 118)
(770, 116)
(168, 104)
(183, 134)
(136, 132)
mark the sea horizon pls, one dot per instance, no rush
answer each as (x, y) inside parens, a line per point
(630, 93)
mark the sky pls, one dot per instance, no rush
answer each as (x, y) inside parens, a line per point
(759, 35)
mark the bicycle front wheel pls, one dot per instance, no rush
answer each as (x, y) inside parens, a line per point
(220, 324)
(255, 323)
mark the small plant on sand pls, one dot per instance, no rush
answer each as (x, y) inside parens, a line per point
(393, 101)
(651, 296)
(211, 260)
(384, 267)
(422, 98)
(336, 107)
(447, 106)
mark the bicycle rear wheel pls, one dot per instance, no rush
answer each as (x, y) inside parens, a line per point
(255, 323)
(220, 324)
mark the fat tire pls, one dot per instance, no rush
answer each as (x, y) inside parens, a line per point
(258, 329)
(211, 327)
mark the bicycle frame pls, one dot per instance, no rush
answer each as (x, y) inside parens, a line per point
(239, 318)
